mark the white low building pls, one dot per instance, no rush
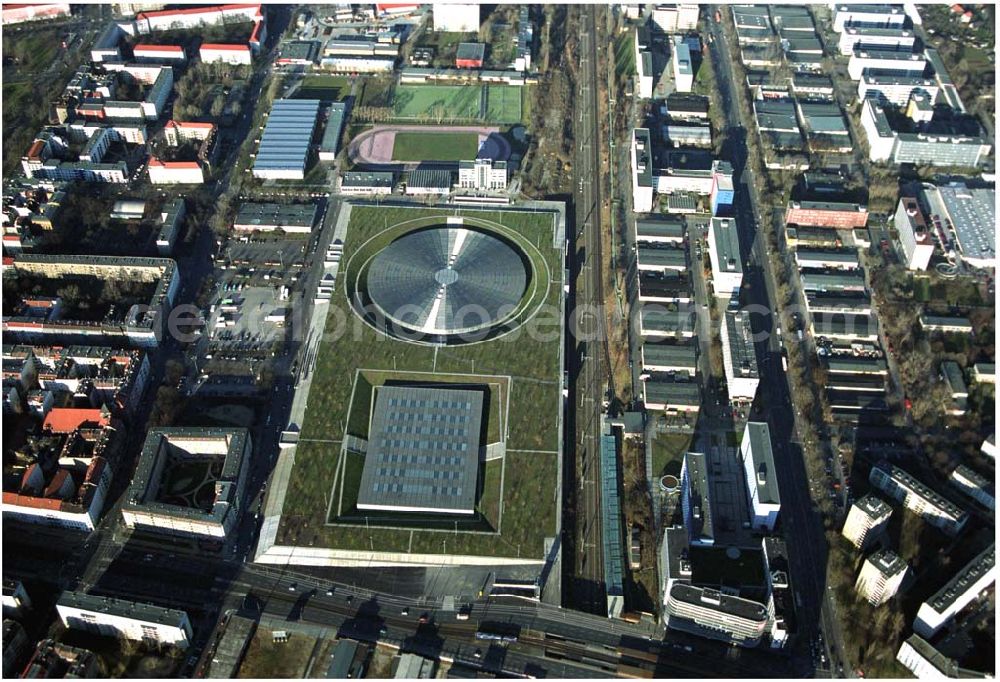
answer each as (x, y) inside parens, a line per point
(456, 17)
(122, 618)
(175, 172)
(212, 53)
(761, 477)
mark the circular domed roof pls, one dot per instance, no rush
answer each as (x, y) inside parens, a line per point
(447, 280)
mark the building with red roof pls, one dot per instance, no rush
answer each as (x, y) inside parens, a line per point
(15, 13)
(175, 172)
(145, 52)
(69, 419)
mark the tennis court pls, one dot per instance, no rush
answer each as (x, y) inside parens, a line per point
(503, 104)
(438, 101)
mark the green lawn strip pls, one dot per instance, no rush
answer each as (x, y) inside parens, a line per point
(668, 453)
(421, 146)
(533, 364)
(625, 53)
(354, 466)
(359, 416)
(489, 501)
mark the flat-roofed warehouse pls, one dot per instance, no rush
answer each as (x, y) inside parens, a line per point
(297, 218)
(665, 357)
(423, 451)
(284, 146)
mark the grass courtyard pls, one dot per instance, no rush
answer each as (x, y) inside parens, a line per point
(526, 505)
(326, 88)
(428, 146)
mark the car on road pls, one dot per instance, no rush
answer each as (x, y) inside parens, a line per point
(424, 618)
(291, 588)
(477, 653)
(405, 611)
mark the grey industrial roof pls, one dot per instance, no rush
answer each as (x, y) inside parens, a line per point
(848, 364)
(826, 255)
(953, 376)
(429, 178)
(849, 279)
(366, 179)
(122, 607)
(292, 215)
(973, 215)
(611, 515)
(287, 135)
(684, 356)
(695, 468)
(763, 462)
(739, 342)
(682, 102)
(300, 49)
(857, 382)
(666, 321)
(963, 580)
(470, 51)
(334, 127)
(671, 393)
(670, 228)
(944, 321)
(829, 324)
(661, 257)
(447, 280)
(669, 284)
(423, 450)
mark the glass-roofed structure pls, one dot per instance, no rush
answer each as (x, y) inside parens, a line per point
(284, 146)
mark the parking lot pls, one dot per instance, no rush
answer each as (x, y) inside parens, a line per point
(252, 319)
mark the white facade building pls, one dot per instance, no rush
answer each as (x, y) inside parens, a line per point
(914, 237)
(863, 59)
(724, 253)
(872, 15)
(175, 172)
(761, 477)
(482, 174)
(456, 18)
(226, 54)
(122, 618)
(866, 519)
(975, 486)
(680, 60)
(896, 38)
(642, 171)
(957, 593)
(881, 576)
(893, 88)
(918, 498)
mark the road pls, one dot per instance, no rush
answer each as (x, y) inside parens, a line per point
(586, 356)
(799, 518)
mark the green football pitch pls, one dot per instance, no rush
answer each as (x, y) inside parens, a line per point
(503, 104)
(421, 146)
(438, 101)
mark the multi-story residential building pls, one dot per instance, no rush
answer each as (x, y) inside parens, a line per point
(642, 171)
(831, 259)
(175, 172)
(724, 254)
(895, 39)
(881, 576)
(926, 662)
(879, 16)
(866, 520)
(482, 174)
(894, 88)
(918, 498)
(55, 659)
(221, 53)
(974, 485)
(643, 63)
(122, 618)
(19, 13)
(151, 506)
(957, 593)
(144, 52)
(738, 357)
(914, 237)
(885, 60)
(761, 476)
